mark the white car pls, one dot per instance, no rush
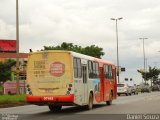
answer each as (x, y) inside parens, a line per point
(123, 88)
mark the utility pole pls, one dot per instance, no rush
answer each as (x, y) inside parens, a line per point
(118, 67)
(144, 57)
(17, 49)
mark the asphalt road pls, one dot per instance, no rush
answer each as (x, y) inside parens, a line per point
(122, 109)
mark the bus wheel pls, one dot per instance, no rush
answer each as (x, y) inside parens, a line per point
(90, 102)
(55, 107)
(110, 99)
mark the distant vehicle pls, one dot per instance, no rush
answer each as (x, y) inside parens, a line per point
(134, 89)
(145, 88)
(155, 88)
(123, 88)
(138, 87)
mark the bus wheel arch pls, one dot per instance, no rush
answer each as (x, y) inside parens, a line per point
(90, 100)
(109, 102)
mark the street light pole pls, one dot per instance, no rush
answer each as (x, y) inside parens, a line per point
(116, 19)
(17, 48)
(146, 65)
(144, 57)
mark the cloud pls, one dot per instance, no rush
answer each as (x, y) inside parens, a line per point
(86, 22)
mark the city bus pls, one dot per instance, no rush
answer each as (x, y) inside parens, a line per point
(59, 78)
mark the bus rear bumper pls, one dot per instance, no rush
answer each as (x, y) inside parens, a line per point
(49, 99)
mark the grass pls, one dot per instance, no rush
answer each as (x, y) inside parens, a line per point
(12, 99)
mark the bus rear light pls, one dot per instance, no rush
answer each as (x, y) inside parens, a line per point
(69, 89)
(68, 93)
(28, 89)
(27, 86)
(30, 93)
(70, 85)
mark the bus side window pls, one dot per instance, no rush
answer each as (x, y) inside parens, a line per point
(90, 69)
(106, 71)
(77, 67)
(93, 69)
(110, 72)
(97, 70)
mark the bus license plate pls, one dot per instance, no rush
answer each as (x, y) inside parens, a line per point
(48, 98)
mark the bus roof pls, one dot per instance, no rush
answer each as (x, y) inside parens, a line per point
(76, 55)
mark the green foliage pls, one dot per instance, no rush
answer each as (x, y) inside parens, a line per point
(1, 89)
(92, 50)
(6, 99)
(152, 74)
(5, 69)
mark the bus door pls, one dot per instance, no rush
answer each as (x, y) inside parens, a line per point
(102, 84)
(108, 81)
(107, 89)
(85, 85)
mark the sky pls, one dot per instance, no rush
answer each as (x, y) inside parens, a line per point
(88, 22)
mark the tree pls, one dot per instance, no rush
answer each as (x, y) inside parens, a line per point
(151, 75)
(92, 50)
(5, 69)
(154, 73)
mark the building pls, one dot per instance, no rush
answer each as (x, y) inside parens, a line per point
(8, 46)
(8, 51)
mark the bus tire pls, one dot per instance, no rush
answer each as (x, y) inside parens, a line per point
(126, 94)
(110, 99)
(90, 102)
(55, 107)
